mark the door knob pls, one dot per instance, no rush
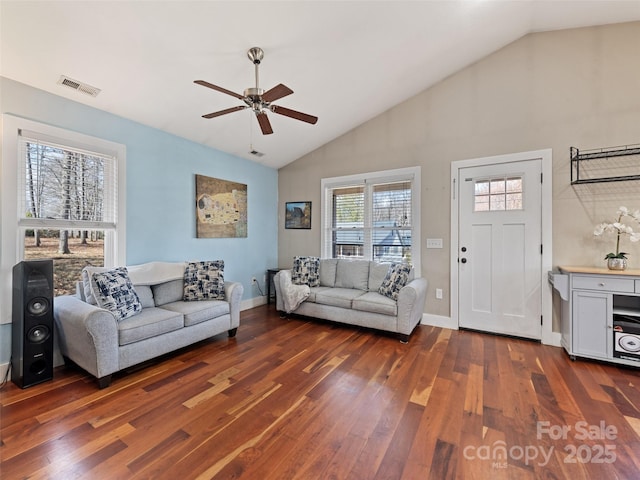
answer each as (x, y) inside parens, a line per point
(464, 249)
(463, 260)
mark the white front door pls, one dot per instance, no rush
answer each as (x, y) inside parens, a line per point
(499, 248)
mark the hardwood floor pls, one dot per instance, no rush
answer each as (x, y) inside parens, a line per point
(300, 399)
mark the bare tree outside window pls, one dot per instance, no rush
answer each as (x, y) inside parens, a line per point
(65, 185)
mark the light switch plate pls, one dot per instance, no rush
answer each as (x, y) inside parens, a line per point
(434, 243)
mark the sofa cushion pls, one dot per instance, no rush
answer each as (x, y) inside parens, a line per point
(306, 271)
(396, 278)
(204, 280)
(352, 274)
(115, 293)
(377, 272)
(375, 303)
(338, 297)
(198, 312)
(149, 323)
(167, 292)
(145, 295)
(328, 272)
(313, 291)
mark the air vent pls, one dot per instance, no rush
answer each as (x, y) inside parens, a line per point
(79, 86)
(256, 153)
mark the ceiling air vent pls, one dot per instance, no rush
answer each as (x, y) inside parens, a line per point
(256, 153)
(79, 86)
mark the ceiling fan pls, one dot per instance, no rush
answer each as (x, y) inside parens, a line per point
(258, 100)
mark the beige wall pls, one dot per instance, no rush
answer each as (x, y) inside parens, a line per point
(553, 90)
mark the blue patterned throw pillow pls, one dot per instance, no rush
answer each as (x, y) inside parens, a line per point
(115, 292)
(306, 271)
(204, 280)
(396, 278)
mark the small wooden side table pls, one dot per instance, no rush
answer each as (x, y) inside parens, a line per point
(270, 274)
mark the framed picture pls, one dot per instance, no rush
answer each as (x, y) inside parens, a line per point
(297, 215)
(221, 208)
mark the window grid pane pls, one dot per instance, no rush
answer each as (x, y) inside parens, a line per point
(498, 194)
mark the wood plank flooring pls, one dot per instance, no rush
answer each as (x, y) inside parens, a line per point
(301, 399)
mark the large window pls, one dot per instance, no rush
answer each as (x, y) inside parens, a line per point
(62, 199)
(372, 216)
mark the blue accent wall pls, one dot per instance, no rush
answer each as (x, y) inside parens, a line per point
(160, 189)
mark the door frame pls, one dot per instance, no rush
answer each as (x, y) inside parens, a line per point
(548, 336)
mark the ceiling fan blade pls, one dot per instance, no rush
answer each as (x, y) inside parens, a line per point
(219, 89)
(276, 92)
(224, 112)
(293, 114)
(265, 124)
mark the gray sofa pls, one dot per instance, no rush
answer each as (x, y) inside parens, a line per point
(348, 292)
(96, 340)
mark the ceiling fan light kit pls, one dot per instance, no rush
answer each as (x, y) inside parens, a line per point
(258, 100)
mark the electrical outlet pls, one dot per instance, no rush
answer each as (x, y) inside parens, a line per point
(439, 293)
(254, 280)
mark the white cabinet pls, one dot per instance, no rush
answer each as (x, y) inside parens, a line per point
(591, 324)
(591, 299)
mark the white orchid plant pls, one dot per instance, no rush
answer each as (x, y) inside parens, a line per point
(620, 229)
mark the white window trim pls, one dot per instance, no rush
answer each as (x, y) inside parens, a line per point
(412, 174)
(11, 241)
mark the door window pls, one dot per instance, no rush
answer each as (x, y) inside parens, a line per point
(498, 194)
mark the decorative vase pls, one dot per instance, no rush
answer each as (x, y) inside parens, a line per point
(616, 263)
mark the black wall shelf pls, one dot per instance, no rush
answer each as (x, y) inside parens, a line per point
(613, 164)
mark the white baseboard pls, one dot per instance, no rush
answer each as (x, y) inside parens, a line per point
(552, 338)
(438, 321)
(3, 370)
(253, 302)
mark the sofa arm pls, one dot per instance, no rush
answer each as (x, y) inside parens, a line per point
(233, 293)
(279, 297)
(411, 301)
(88, 335)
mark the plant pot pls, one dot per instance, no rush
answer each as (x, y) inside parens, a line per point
(616, 263)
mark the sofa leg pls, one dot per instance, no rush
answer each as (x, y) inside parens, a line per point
(104, 382)
(403, 338)
(68, 362)
(232, 332)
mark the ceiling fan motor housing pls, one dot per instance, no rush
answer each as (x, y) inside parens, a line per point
(253, 98)
(253, 93)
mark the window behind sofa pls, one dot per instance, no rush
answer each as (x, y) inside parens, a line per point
(372, 216)
(67, 204)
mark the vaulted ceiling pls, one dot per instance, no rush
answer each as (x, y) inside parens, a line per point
(346, 61)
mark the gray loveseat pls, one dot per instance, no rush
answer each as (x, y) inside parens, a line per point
(95, 339)
(348, 292)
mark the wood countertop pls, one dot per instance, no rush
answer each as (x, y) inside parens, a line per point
(629, 272)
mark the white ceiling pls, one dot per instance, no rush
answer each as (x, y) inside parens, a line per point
(347, 61)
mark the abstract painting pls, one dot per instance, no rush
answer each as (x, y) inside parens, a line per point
(221, 208)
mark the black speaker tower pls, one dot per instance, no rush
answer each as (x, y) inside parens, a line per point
(32, 328)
